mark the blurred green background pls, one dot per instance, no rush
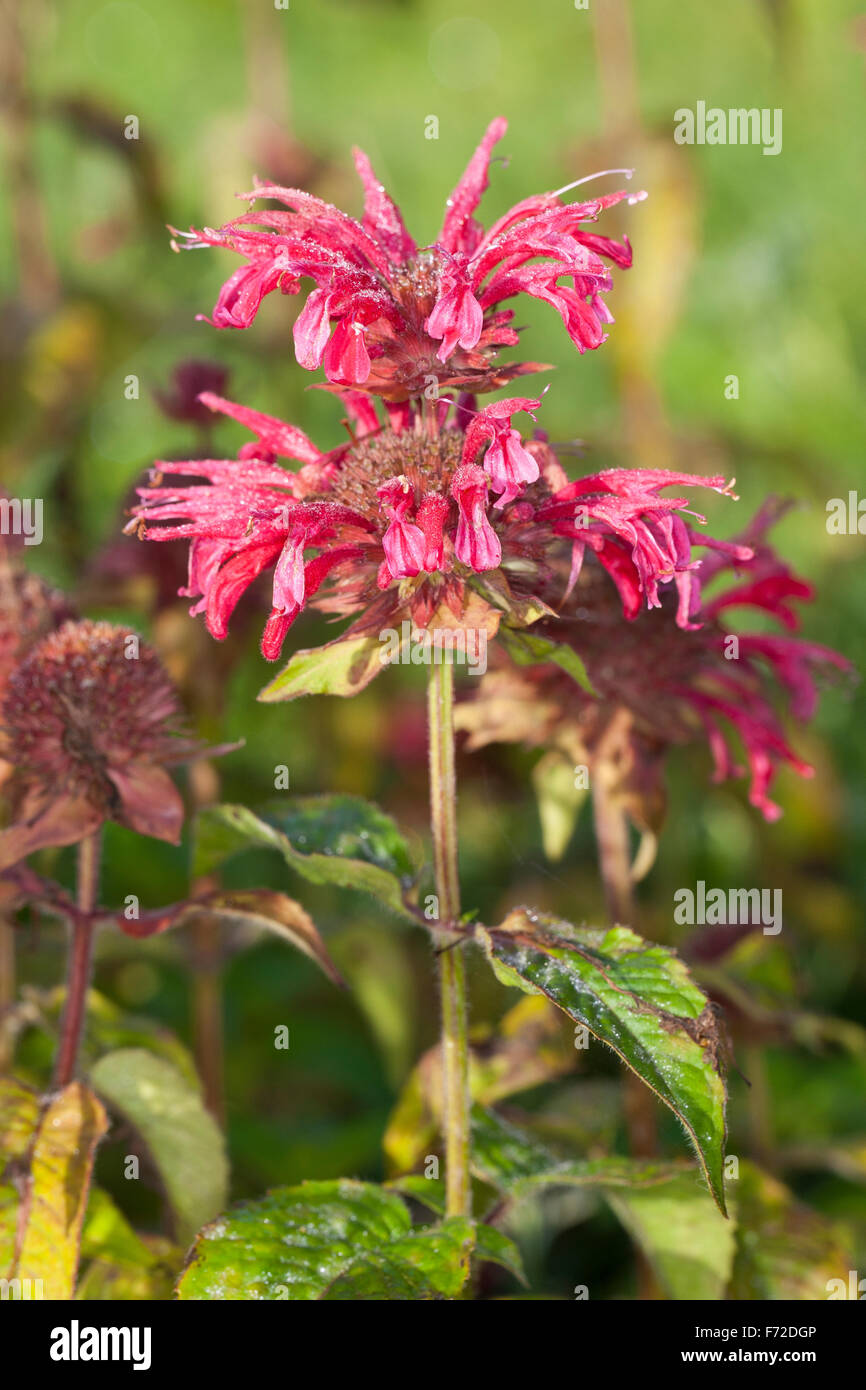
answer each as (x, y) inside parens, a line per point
(744, 264)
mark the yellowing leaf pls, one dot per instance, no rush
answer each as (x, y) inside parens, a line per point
(57, 1190)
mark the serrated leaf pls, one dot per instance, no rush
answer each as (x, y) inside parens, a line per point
(639, 999)
(183, 1139)
(431, 1263)
(515, 1162)
(531, 649)
(343, 667)
(373, 858)
(55, 1197)
(328, 1241)
(687, 1241)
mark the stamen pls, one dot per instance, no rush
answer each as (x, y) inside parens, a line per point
(629, 173)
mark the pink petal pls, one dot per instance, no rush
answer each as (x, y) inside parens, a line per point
(459, 231)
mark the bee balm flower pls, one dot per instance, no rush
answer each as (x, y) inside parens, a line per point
(405, 522)
(658, 686)
(90, 721)
(382, 314)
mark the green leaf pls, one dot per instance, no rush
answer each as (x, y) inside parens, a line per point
(492, 1247)
(116, 1262)
(515, 1162)
(687, 1241)
(340, 840)
(430, 1192)
(636, 997)
(328, 1241)
(430, 1263)
(343, 667)
(56, 1192)
(346, 826)
(559, 802)
(183, 1139)
(531, 649)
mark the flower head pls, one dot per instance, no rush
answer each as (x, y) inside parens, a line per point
(29, 608)
(189, 379)
(90, 721)
(660, 685)
(383, 315)
(409, 520)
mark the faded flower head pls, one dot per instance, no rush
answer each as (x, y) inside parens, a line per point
(29, 608)
(181, 400)
(388, 317)
(90, 721)
(658, 685)
(444, 518)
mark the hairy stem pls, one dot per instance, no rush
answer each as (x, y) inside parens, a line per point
(208, 1028)
(80, 958)
(209, 1043)
(452, 971)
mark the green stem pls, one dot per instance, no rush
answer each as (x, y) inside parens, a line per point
(452, 970)
(80, 958)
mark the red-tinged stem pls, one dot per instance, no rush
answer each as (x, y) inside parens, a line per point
(452, 970)
(80, 960)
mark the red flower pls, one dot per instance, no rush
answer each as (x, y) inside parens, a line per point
(403, 316)
(400, 518)
(658, 687)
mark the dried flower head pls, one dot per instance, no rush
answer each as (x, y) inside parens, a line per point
(29, 608)
(90, 721)
(659, 685)
(391, 318)
(424, 518)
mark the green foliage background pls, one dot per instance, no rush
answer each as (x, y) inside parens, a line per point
(744, 264)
